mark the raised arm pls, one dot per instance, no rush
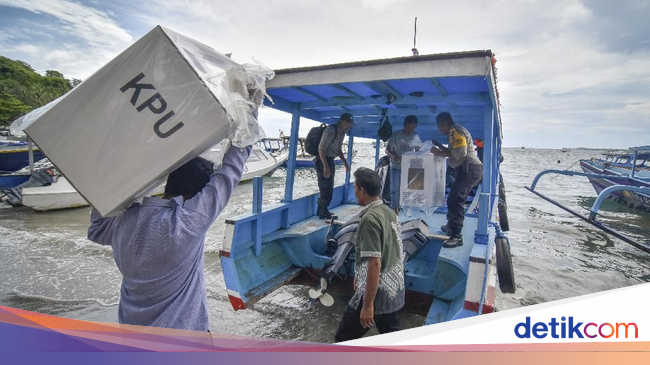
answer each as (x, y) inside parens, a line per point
(203, 209)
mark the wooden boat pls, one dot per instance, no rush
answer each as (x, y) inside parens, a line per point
(622, 165)
(8, 181)
(60, 194)
(14, 155)
(263, 163)
(260, 162)
(286, 243)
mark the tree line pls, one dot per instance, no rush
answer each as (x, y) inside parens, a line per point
(22, 89)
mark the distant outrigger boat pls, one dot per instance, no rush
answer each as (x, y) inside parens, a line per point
(286, 243)
(623, 177)
(633, 165)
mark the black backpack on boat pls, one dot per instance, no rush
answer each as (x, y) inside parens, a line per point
(385, 128)
(313, 139)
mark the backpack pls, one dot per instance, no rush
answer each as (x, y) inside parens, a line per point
(313, 139)
(385, 128)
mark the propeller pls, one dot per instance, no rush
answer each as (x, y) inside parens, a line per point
(321, 294)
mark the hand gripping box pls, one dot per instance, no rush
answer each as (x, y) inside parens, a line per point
(422, 181)
(154, 107)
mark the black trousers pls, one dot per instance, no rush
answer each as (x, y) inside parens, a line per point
(325, 185)
(467, 176)
(350, 327)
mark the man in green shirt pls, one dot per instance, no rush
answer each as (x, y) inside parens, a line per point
(379, 267)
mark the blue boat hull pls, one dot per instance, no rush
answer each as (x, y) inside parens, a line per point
(436, 278)
(8, 181)
(16, 160)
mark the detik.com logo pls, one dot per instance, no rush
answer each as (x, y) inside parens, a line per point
(569, 329)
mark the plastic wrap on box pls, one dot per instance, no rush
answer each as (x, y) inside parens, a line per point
(17, 126)
(160, 103)
(422, 181)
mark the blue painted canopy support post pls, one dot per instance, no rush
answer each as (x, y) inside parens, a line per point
(636, 154)
(496, 162)
(607, 191)
(488, 169)
(481, 234)
(258, 184)
(349, 159)
(377, 148)
(293, 150)
(258, 197)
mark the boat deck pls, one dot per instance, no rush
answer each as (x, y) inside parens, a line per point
(434, 272)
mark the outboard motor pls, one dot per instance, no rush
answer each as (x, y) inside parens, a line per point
(415, 235)
(342, 245)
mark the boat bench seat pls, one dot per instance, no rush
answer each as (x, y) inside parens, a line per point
(342, 212)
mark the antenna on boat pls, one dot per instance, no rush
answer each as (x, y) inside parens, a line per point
(415, 34)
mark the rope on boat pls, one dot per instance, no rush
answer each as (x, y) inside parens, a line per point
(567, 169)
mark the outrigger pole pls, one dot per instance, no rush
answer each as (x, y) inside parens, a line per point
(594, 210)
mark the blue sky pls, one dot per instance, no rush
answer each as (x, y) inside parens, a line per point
(571, 73)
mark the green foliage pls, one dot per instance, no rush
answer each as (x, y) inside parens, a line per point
(23, 89)
(10, 108)
(52, 73)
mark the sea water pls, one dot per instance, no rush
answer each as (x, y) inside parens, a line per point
(49, 266)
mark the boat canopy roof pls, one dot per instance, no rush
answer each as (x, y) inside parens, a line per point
(463, 84)
(640, 149)
(643, 153)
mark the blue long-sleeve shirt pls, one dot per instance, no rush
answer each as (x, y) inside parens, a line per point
(158, 248)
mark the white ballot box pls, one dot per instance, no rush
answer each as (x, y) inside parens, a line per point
(160, 103)
(422, 181)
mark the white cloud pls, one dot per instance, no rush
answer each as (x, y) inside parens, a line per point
(27, 48)
(71, 38)
(381, 4)
(90, 24)
(560, 67)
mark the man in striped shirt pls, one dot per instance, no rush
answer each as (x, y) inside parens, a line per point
(158, 245)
